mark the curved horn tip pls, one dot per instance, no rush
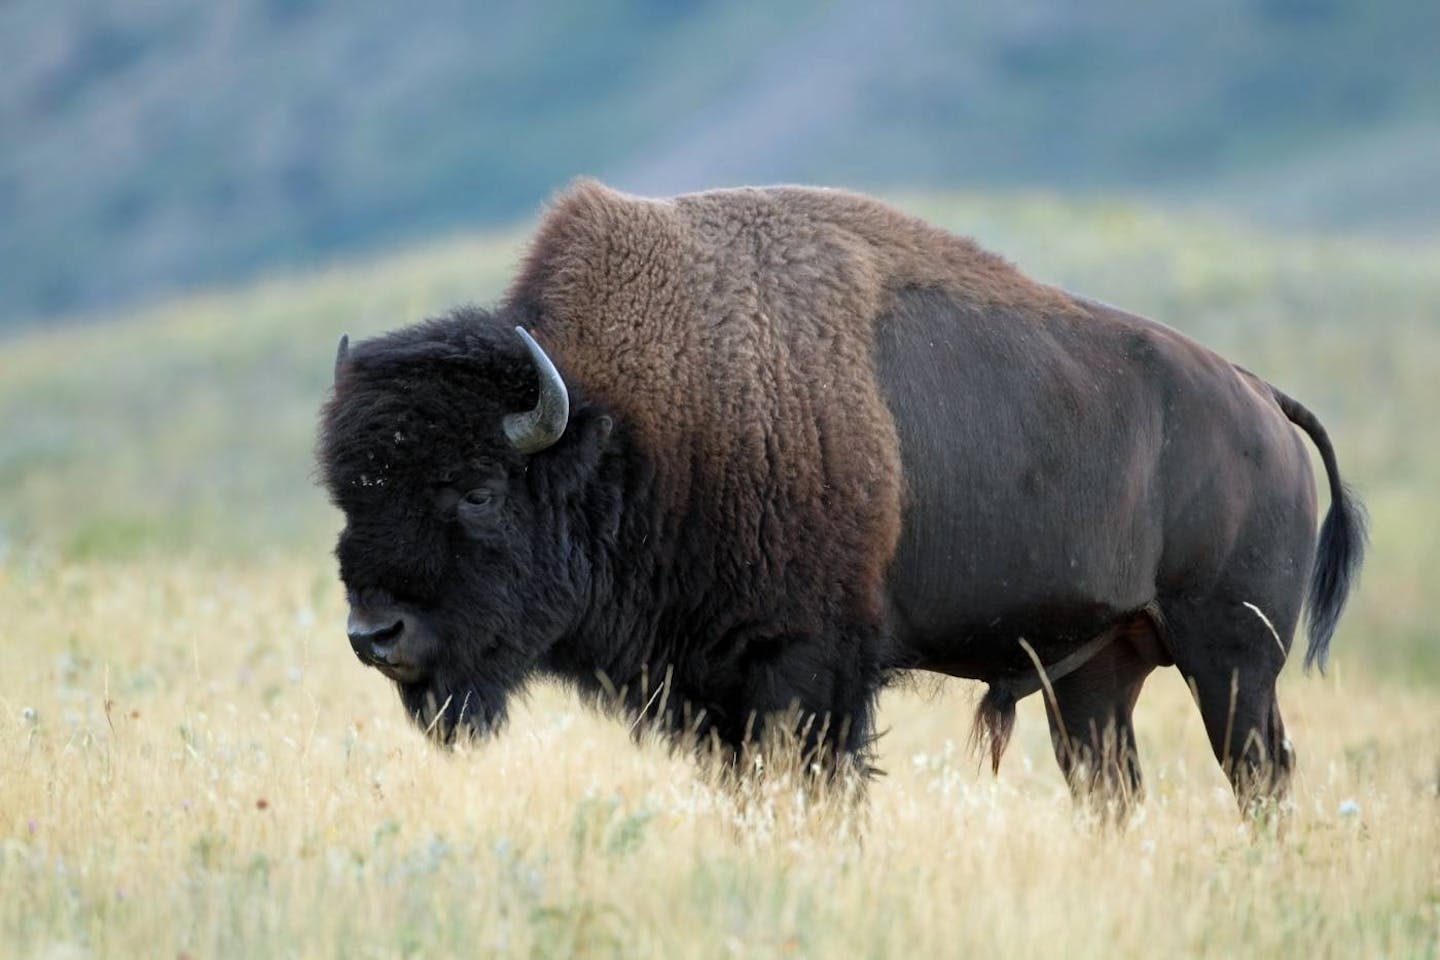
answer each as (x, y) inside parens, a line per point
(342, 353)
(541, 427)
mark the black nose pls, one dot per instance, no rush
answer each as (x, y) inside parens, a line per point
(373, 639)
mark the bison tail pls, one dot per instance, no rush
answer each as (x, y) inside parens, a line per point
(1342, 540)
(994, 722)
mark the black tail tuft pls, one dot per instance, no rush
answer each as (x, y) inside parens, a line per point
(1337, 566)
(1342, 539)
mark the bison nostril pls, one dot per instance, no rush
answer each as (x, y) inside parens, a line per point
(376, 644)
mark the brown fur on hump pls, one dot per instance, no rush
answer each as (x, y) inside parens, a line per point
(733, 331)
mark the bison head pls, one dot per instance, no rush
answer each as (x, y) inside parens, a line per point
(470, 484)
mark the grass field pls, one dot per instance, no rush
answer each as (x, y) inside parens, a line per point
(191, 762)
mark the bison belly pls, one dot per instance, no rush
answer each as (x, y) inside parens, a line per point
(1031, 449)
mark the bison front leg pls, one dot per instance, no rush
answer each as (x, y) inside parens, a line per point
(809, 701)
(1091, 731)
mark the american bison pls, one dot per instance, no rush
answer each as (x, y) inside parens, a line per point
(769, 447)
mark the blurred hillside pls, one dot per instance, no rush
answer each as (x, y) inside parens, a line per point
(147, 145)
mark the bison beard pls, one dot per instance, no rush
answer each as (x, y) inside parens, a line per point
(810, 442)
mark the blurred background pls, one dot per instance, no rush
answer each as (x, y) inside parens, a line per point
(196, 199)
(150, 145)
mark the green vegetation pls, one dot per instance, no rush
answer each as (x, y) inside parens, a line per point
(189, 427)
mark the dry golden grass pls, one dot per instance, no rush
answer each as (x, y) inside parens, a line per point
(191, 763)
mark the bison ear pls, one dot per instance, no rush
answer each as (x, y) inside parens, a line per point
(342, 354)
(596, 432)
(600, 429)
(591, 436)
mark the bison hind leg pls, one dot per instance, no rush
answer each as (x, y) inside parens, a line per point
(994, 722)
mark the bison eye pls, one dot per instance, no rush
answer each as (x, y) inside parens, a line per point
(478, 505)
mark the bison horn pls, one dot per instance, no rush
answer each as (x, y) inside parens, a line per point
(534, 430)
(342, 353)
